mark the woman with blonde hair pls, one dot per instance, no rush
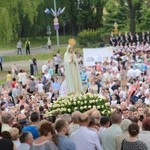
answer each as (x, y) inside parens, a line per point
(15, 136)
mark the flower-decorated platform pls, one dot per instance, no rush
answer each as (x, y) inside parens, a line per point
(81, 103)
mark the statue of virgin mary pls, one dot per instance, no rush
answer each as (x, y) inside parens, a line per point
(72, 74)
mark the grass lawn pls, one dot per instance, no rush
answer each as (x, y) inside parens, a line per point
(42, 56)
(36, 42)
(3, 77)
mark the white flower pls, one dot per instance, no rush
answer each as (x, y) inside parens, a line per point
(98, 107)
(89, 106)
(85, 107)
(78, 102)
(109, 112)
(69, 103)
(93, 101)
(102, 106)
(62, 105)
(107, 104)
(74, 103)
(96, 100)
(81, 108)
(94, 106)
(81, 103)
(85, 102)
(90, 101)
(69, 110)
(75, 108)
(103, 112)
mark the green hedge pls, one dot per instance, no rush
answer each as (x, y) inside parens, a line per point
(92, 38)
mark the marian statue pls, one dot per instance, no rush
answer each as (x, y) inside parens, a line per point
(72, 74)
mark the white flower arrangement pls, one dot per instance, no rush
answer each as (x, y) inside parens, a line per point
(81, 103)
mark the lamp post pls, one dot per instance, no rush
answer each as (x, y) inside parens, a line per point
(55, 13)
(56, 23)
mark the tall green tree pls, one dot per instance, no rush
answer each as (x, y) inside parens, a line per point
(13, 9)
(143, 23)
(134, 7)
(116, 11)
(5, 26)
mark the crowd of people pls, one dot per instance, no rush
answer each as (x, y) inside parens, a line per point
(123, 80)
(129, 38)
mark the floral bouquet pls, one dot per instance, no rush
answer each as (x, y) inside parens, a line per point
(81, 103)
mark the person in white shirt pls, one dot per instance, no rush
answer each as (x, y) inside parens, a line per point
(44, 67)
(147, 98)
(19, 76)
(104, 124)
(24, 77)
(50, 93)
(47, 75)
(137, 72)
(130, 73)
(40, 87)
(84, 138)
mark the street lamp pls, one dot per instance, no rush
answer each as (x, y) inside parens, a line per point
(55, 13)
(49, 30)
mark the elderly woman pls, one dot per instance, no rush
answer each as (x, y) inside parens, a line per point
(124, 135)
(15, 136)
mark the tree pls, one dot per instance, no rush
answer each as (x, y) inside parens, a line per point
(13, 11)
(144, 19)
(115, 11)
(5, 26)
(134, 6)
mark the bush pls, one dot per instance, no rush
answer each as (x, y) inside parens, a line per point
(92, 38)
(81, 103)
(87, 37)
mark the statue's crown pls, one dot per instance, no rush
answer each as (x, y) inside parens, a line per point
(72, 42)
